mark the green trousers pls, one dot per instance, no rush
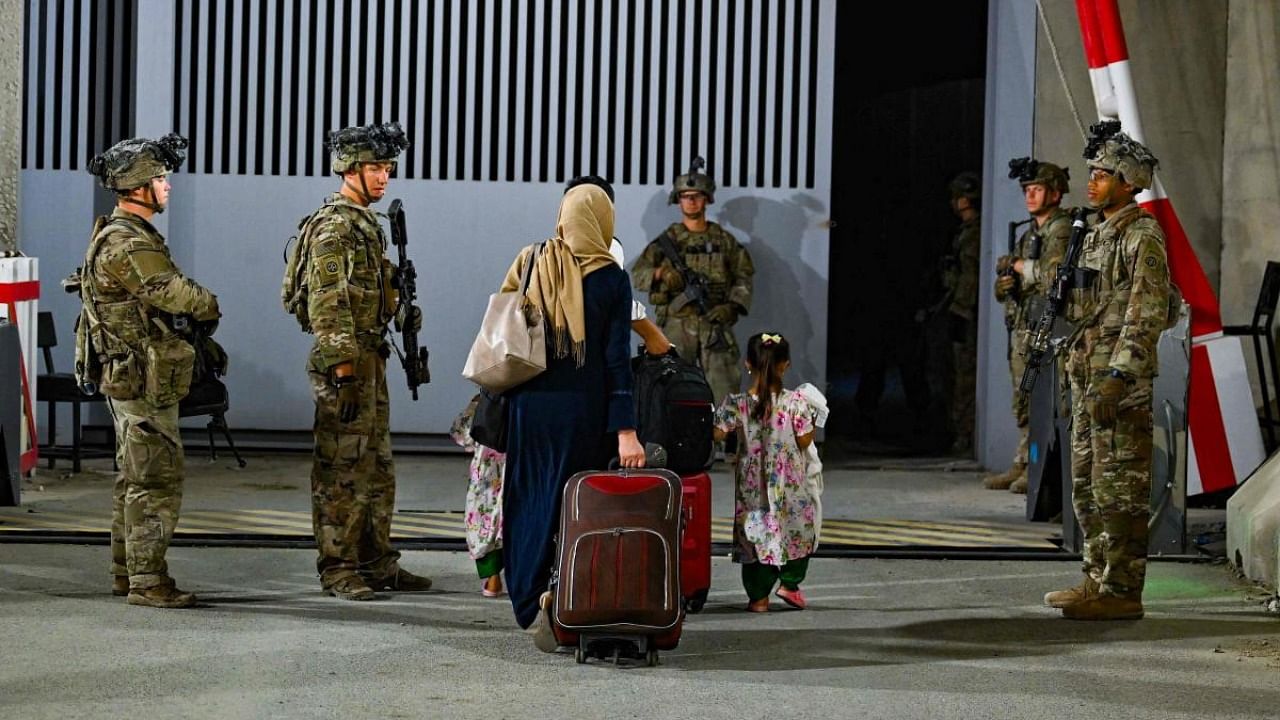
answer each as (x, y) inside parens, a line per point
(758, 579)
(490, 564)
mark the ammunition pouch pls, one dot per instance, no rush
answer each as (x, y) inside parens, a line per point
(170, 364)
(88, 364)
(1083, 294)
(390, 292)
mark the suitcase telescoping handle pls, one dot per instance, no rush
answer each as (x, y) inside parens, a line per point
(655, 456)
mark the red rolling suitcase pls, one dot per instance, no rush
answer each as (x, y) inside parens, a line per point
(617, 578)
(695, 541)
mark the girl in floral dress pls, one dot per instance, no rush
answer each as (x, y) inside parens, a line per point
(774, 513)
(483, 518)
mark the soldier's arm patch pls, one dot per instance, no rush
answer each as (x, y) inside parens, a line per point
(328, 269)
(150, 264)
(1152, 262)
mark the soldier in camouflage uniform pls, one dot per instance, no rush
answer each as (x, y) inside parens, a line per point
(960, 280)
(339, 286)
(715, 255)
(134, 301)
(1119, 305)
(1022, 279)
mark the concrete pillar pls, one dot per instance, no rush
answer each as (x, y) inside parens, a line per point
(1010, 120)
(1251, 157)
(10, 120)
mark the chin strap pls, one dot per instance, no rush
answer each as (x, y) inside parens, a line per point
(363, 189)
(154, 206)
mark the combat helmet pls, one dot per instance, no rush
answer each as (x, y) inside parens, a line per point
(352, 146)
(695, 179)
(1112, 150)
(1029, 171)
(132, 163)
(966, 185)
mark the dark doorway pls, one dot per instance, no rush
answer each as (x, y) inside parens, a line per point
(907, 120)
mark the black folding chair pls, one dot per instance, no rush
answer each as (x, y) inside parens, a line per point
(53, 388)
(1260, 330)
(209, 396)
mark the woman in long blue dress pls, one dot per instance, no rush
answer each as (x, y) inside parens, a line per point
(579, 413)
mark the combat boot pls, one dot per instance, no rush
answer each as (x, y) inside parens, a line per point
(1020, 485)
(1105, 607)
(402, 581)
(1003, 480)
(120, 585)
(165, 595)
(351, 587)
(1087, 588)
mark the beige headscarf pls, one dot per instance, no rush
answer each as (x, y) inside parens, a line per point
(584, 231)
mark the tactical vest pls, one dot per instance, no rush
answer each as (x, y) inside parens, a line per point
(295, 288)
(706, 258)
(1094, 290)
(124, 347)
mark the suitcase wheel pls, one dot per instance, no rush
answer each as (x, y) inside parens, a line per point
(694, 603)
(652, 657)
(580, 655)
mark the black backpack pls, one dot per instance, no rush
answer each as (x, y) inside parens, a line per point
(674, 409)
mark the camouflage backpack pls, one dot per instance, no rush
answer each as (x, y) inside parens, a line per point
(293, 290)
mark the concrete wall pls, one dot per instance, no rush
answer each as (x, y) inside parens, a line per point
(1208, 82)
(1251, 156)
(1178, 53)
(10, 119)
(1010, 112)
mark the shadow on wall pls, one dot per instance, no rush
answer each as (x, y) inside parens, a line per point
(773, 231)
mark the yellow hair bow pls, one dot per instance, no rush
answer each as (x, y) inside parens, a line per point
(768, 339)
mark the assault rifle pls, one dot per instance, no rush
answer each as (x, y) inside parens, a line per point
(695, 290)
(414, 358)
(1055, 301)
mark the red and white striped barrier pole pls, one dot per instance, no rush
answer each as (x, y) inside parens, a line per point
(19, 295)
(1225, 443)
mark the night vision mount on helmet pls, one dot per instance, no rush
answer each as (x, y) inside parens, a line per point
(364, 144)
(133, 163)
(1029, 171)
(695, 180)
(1112, 150)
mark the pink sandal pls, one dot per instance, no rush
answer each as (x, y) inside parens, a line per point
(486, 591)
(794, 598)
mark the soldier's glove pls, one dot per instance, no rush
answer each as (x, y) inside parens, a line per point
(726, 314)
(1005, 286)
(1106, 400)
(411, 322)
(672, 280)
(348, 398)
(1005, 263)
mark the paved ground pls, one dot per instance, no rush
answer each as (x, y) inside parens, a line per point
(912, 490)
(882, 639)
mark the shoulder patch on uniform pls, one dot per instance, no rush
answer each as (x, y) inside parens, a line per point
(1151, 261)
(149, 262)
(329, 267)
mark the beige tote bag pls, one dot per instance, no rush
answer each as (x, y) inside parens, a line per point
(511, 346)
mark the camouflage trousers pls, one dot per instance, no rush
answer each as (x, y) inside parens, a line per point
(1111, 485)
(1018, 341)
(353, 481)
(964, 389)
(148, 490)
(691, 335)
